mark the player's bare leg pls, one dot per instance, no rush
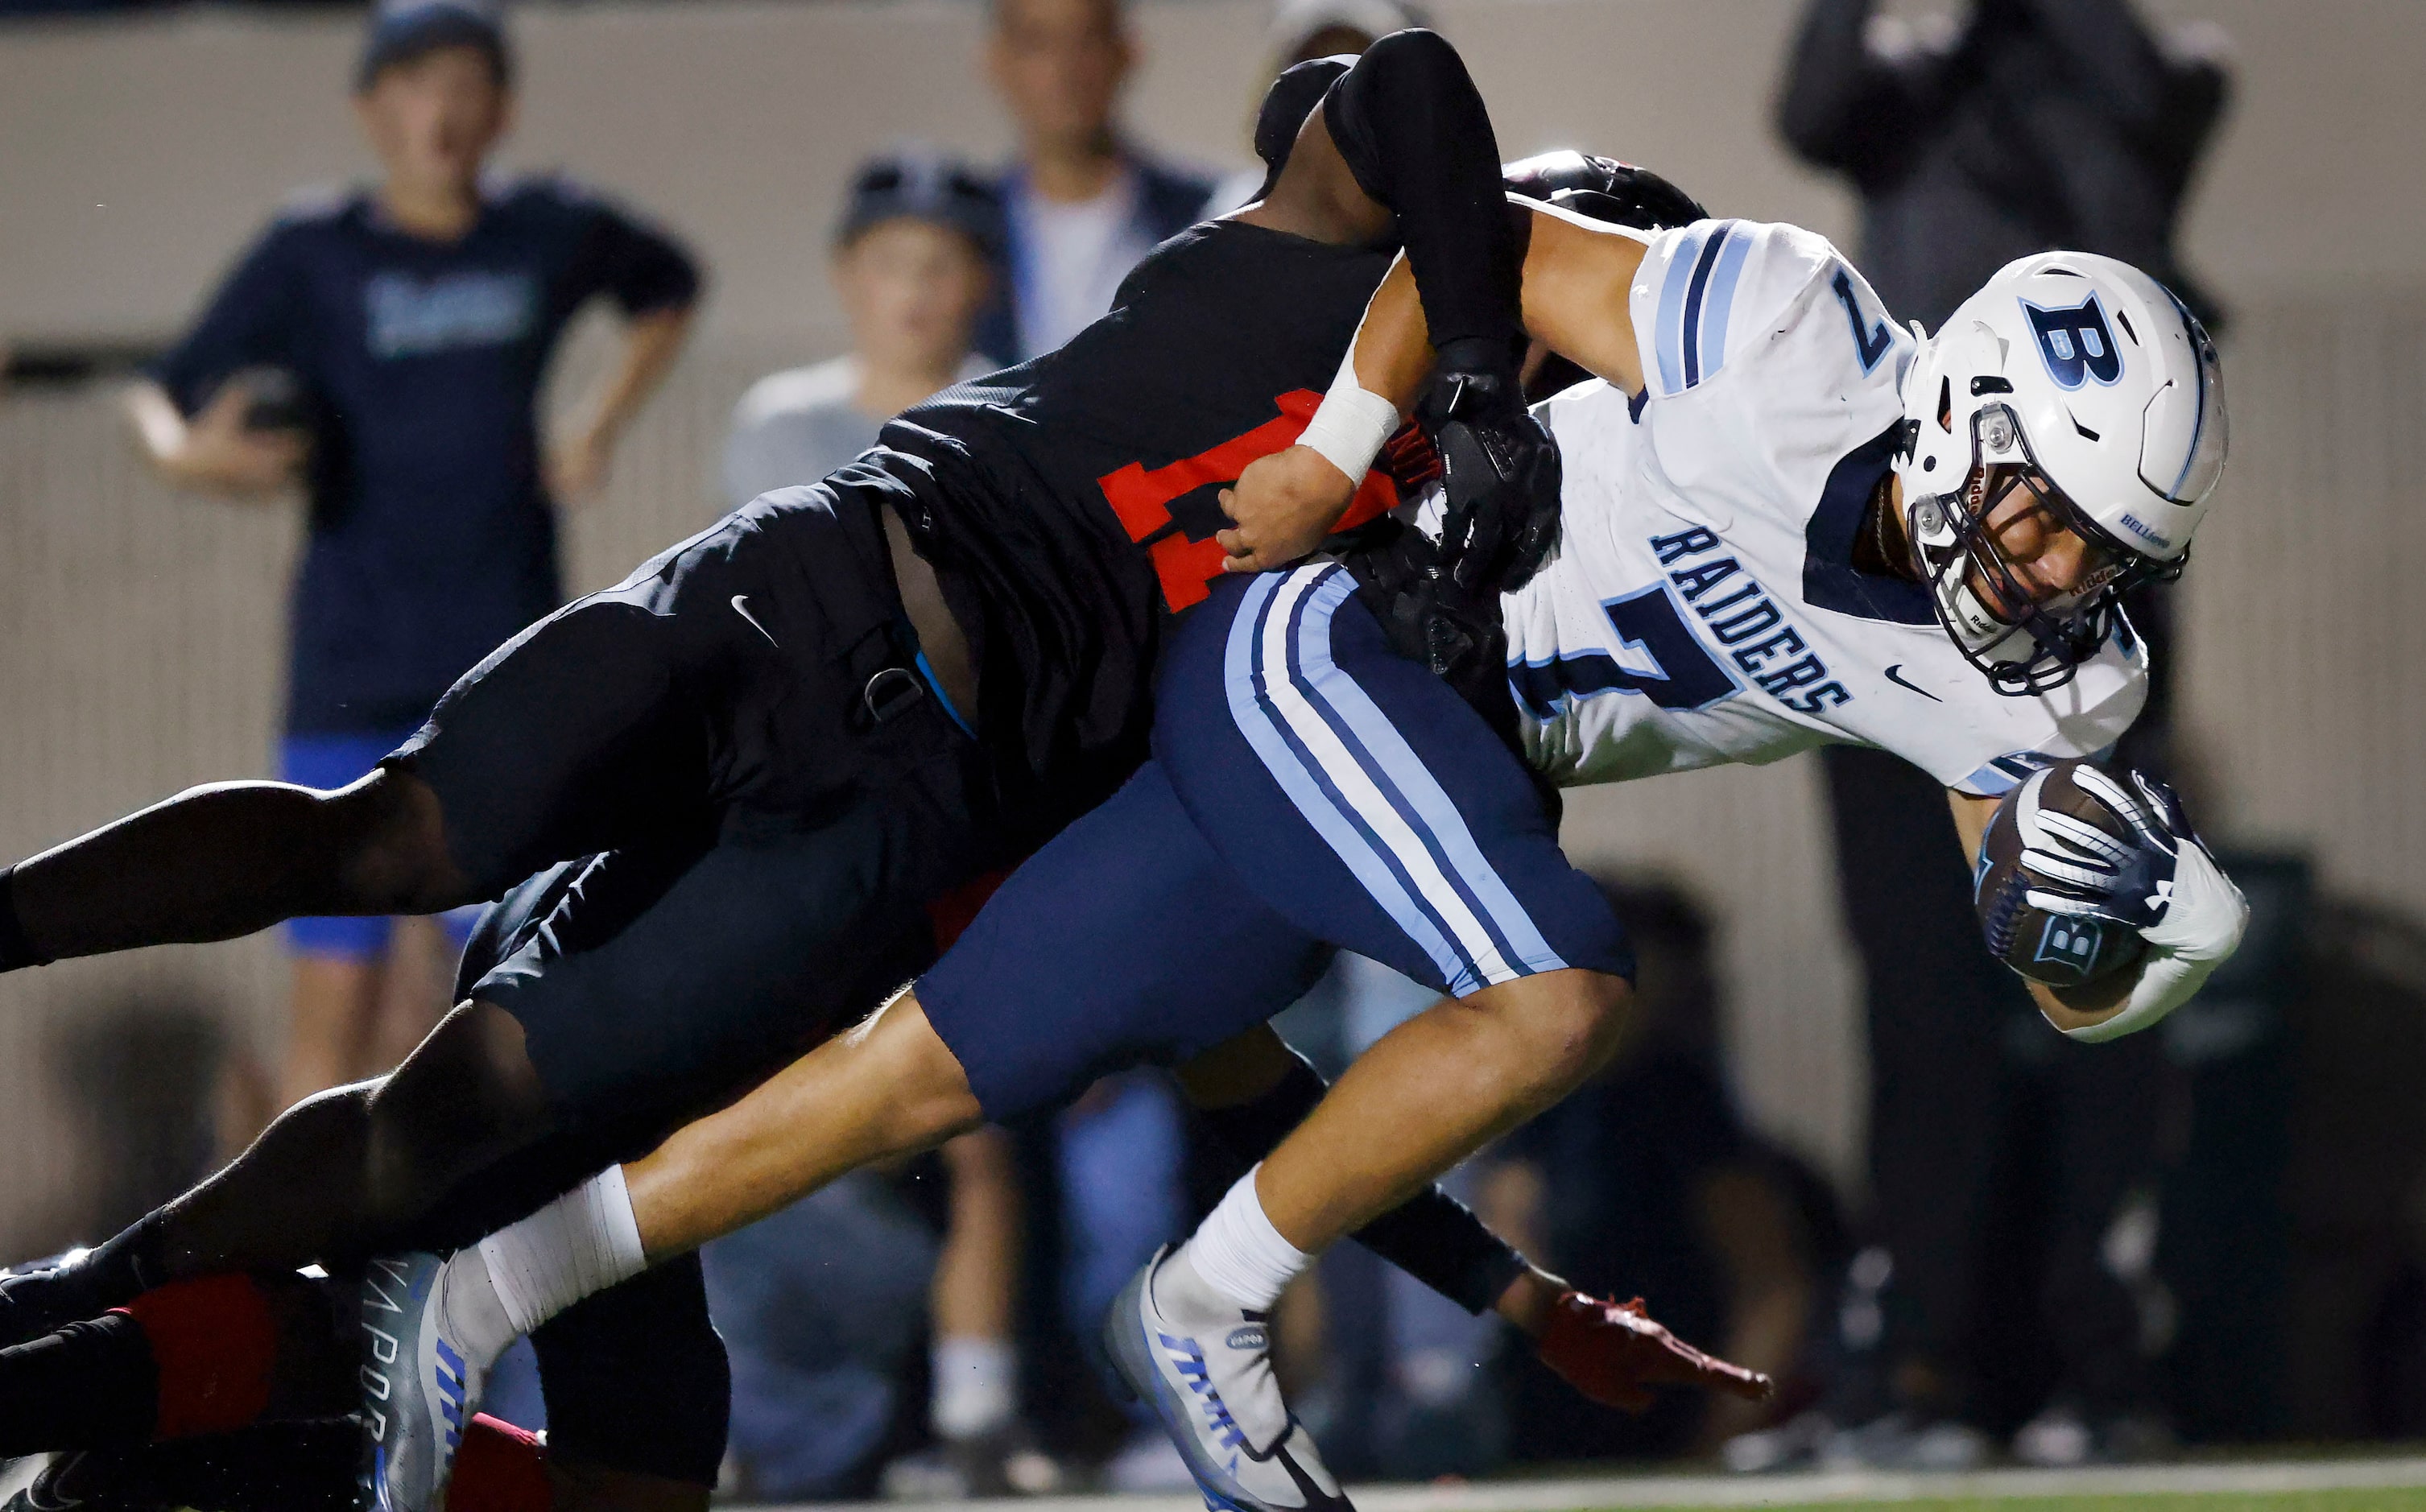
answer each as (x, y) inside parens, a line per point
(331, 1015)
(888, 1086)
(1191, 1333)
(337, 1174)
(228, 860)
(1434, 1091)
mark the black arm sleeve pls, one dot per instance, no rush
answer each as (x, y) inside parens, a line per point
(1412, 126)
(1432, 1236)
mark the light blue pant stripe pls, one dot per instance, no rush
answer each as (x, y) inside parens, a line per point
(1245, 683)
(1392, 762)
(1371, 793)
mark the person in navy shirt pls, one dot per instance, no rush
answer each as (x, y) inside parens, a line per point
(1083, 204)
(386, 346)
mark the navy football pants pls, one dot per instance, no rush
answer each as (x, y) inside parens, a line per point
(1311, 790)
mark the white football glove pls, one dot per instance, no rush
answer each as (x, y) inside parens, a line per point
(2163, 883)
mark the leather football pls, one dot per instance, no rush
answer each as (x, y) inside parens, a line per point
(2061, 950)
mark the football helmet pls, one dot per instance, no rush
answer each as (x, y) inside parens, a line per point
(2087, 383)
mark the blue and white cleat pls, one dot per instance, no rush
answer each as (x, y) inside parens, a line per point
(419, 1389)
(1205, 1365)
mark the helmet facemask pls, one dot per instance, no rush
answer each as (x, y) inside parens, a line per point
(2023, 647)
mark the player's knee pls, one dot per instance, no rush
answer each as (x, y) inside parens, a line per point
(467, 1096)
(391, 840)
(1569, 1024)
(928, 1099)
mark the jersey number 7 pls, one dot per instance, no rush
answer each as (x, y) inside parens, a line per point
(1686, 675)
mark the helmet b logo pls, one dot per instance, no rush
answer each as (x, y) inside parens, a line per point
(2076, 344)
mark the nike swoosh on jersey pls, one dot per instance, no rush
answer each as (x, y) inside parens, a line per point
(1895, 675)
(741, 607)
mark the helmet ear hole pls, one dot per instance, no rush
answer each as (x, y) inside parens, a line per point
(1945, 405)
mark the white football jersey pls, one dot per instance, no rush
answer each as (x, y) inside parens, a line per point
(1702, 606)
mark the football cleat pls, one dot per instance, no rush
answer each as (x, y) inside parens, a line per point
(45, 1297)
(72, 1479)
(1205, 1365)
(419, 1387)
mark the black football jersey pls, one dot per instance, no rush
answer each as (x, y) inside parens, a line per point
(1074, 499)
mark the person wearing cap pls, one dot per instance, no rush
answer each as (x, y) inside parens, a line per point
(1083, 203)
(819, 1305)
(384, 348)
(915, 260)
(1300, 32)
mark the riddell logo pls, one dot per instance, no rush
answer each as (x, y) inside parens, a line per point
(2133, 524)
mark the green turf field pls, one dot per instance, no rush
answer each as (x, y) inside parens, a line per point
(2369, 1500)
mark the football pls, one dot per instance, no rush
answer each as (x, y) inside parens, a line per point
(2053, 948)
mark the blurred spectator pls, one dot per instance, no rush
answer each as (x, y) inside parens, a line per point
(386, 346)
(2039, 123)
(819, 1338)
(1083, 204)
(915, 261)
(1647, 1182)
(1301, 30)
(1304, 29)
(819, 1309)
(2354, 1309)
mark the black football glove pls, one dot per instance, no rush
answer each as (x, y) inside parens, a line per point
(1499, 470)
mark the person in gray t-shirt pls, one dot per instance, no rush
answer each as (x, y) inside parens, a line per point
(914, 262)
(817, 1347)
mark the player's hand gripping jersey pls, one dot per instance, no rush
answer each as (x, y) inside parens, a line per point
(1704, 606)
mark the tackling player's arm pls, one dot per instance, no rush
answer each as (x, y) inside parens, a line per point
(2081, 1007)
(1578, 273)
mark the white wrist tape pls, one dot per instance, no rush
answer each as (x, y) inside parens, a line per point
(2201, 929)
(1352, 424)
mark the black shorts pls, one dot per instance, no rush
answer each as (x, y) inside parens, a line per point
(760, 793)
(761, 673)
(1312, 789)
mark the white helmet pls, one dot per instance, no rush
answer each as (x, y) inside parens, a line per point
(2085, 380)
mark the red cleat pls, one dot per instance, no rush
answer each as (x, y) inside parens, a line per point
(1611, 1351)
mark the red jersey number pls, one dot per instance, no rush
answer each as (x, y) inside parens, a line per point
(1143, 498)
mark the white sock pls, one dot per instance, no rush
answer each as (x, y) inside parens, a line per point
(976, 1386)
(1238, 1252)
(584, 1242)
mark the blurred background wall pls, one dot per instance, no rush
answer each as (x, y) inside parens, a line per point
(138, 633)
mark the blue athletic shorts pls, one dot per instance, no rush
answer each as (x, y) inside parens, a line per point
(331, 761)
(1311, 790)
